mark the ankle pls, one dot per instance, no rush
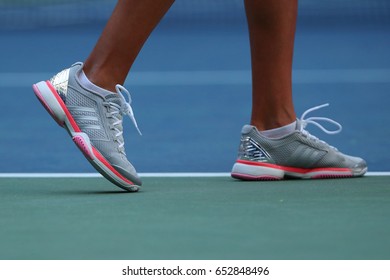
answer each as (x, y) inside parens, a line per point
(100, 77)
(280, 131)
(92, 86)
(271, 123)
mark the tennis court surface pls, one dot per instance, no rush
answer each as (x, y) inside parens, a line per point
(195, 217)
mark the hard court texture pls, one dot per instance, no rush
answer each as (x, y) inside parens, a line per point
(195, 218)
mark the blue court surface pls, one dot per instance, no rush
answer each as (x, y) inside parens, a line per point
(191, 91)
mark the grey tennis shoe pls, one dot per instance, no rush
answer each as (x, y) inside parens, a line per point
(297, 155)
(94, 121)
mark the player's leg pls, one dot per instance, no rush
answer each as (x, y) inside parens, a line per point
(128, 28)
(271, 27)
(276, 144)
(89, 101)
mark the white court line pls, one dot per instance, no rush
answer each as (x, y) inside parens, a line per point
(97, 175)
(217, 77)
(374, 173)
(145, 175)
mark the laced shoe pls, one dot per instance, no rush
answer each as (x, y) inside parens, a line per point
(297, 155)
(94, 121)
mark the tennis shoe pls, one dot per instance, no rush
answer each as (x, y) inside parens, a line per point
(94, 121)
(296, 155)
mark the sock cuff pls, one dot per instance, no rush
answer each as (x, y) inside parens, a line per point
(87, 84)
(280, 131)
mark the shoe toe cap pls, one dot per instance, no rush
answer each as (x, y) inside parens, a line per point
(360, 168)
(129, 172)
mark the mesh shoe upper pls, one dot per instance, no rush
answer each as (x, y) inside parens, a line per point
(296, 150)
(99, 115)
(299, 149)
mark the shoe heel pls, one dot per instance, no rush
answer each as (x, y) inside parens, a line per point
(50, 102)
(249, 172)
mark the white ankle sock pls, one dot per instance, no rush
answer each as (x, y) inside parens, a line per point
(86, 83)
(280, 131)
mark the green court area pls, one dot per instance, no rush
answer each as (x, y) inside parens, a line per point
(195, 218)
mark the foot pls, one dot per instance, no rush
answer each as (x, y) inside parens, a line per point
(94, 121)
(298, 155)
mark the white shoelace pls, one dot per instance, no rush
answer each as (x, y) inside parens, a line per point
(117, 111)
(126, 106)
(314, 120)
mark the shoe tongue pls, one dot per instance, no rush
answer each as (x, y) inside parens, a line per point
(299, 125)
(114, 98)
